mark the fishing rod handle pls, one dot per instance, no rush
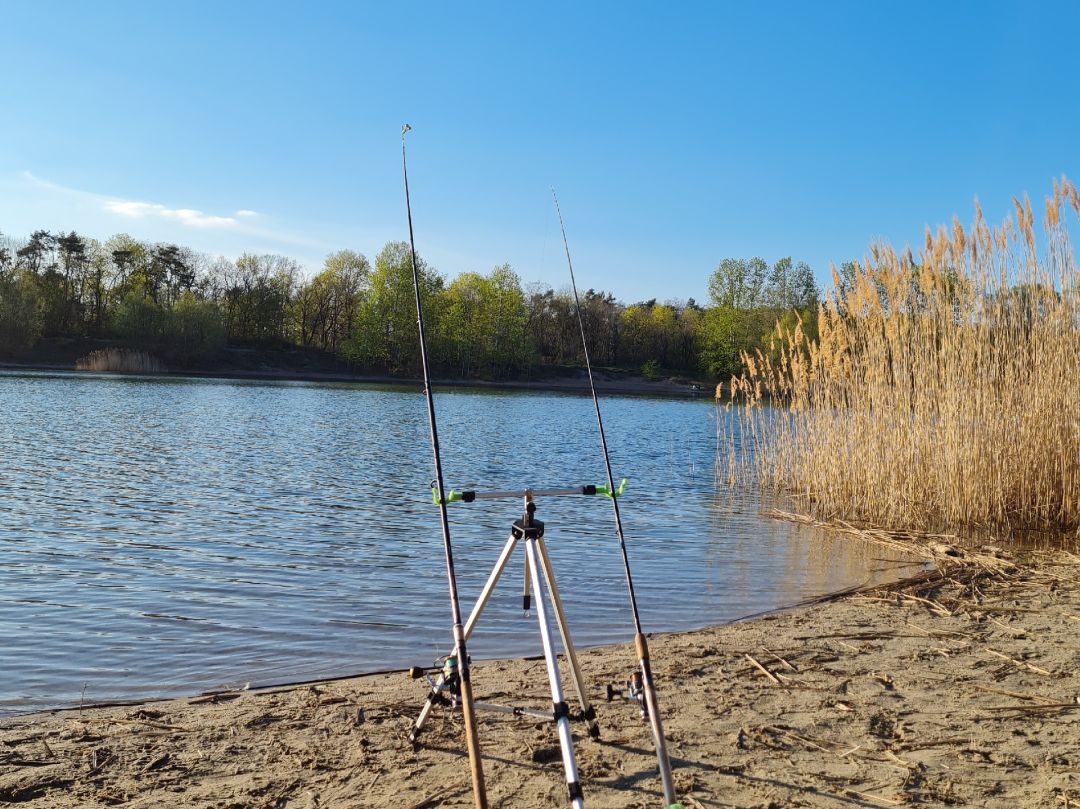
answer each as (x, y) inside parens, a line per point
(468, 712)
(652, 703)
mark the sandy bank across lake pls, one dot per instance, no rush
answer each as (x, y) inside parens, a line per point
(961, 688)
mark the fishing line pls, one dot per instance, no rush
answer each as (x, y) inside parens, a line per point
(462, 658)
(640, 641)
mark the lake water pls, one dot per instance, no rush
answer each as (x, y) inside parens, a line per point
(165, 536)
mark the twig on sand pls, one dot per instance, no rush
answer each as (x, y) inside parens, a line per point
(762, 669)
(1015, 694)
(110, 720)
(779, 659)
(869, 796)
(934, 606)
(1022, 664)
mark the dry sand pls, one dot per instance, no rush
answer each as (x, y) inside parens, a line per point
(960, 689)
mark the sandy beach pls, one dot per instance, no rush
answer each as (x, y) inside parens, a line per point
(958, 688)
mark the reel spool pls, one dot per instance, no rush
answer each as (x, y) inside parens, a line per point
(448, 684)
(633, 691)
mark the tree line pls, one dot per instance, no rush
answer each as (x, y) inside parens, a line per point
(185, 307)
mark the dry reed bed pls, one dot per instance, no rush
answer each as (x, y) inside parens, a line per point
(941, 391)
(120, 360)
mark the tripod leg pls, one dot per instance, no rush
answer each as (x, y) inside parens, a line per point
(561, 712)
(470, 625)
(489, 586)
(567, 642)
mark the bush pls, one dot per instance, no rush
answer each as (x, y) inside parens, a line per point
(651, 370)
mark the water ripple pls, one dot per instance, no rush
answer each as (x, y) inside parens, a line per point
(164, 536)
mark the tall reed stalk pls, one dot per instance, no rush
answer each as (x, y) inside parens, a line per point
(943, 391)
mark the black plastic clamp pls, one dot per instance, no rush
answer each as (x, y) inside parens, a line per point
(533, 531)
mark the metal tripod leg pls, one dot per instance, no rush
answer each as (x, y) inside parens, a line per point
(485, 596)
(561, 712)
(568, 644)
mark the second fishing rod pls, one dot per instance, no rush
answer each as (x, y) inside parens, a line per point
(641, 643)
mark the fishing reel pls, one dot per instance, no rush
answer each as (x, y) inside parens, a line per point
(633, 691)
(444, 680)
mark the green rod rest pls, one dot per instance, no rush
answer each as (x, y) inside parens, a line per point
(606, 491)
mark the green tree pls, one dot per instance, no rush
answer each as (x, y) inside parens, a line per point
(94, 294)
(466, 322)
(38, 258)
(685, 352)
(748, 301)
(129, 258)
(600, 313)
(256, 295)
(791, 286)
(171, 272)
(39, 253)
(195, 329)
(723, 334)
(139, 320)
(326, 307)
(509, 351)
(738, 283)
(734, 322)
(6, 256)
(552, 326)
(384, 333)
(20, 318)
(484, 324)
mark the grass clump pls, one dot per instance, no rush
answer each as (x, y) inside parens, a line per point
(941, 392)
(120, 360)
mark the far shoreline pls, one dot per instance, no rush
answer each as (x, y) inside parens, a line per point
(620, 383)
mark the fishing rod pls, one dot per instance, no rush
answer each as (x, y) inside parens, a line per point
(463, 678)
(648, 686)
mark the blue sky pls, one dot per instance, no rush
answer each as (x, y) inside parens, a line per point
(675, 134)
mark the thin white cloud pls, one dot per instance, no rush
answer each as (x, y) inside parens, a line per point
(188, 217)
(49, 186)
(197, 219)
(134, 209)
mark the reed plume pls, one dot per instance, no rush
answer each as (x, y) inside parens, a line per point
(941, 392)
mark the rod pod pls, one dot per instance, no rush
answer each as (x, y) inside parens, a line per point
(640, 642)
(468, 708)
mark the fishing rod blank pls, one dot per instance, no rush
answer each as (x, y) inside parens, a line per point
(640, 642)
(468, 708)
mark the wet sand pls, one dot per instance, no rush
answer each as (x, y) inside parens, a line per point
(959, 688)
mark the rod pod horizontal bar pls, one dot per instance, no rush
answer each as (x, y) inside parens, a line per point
(471, 495)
